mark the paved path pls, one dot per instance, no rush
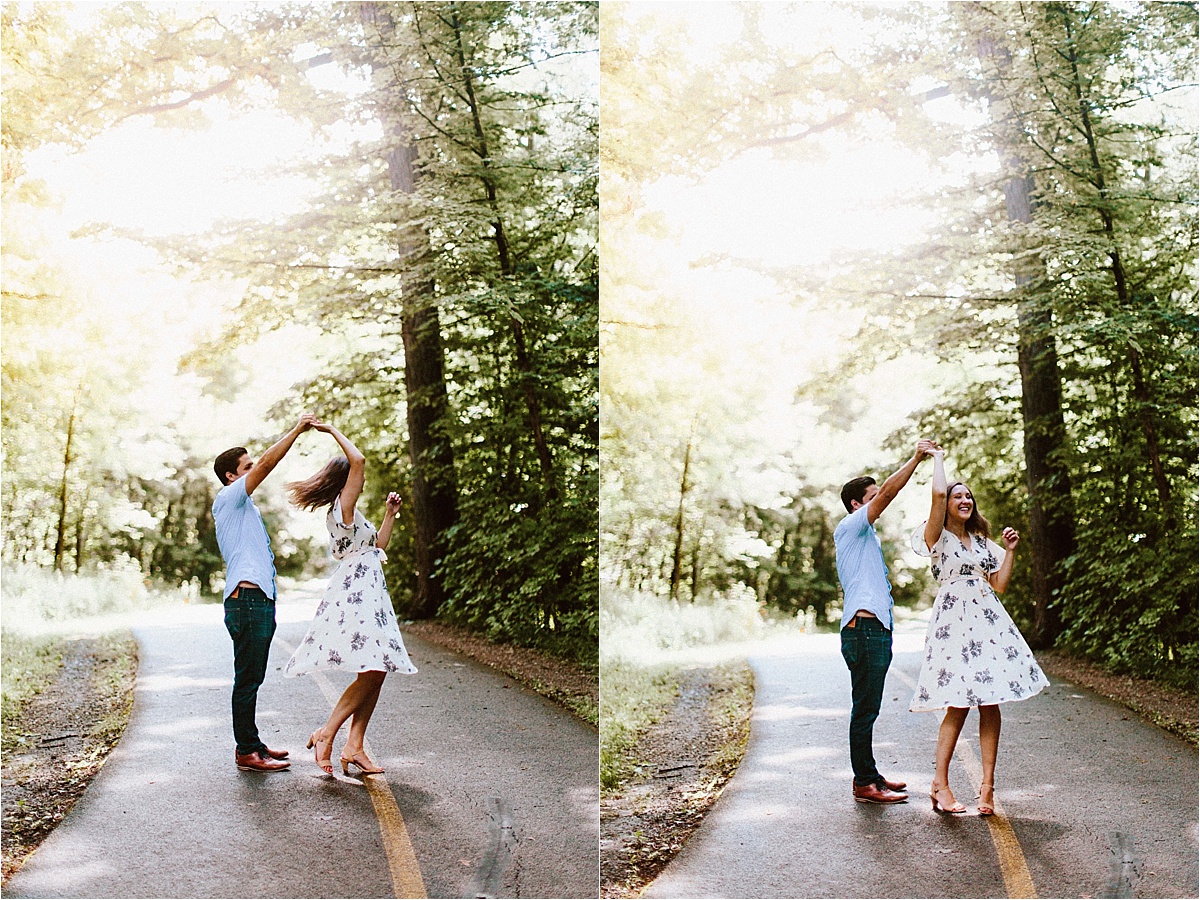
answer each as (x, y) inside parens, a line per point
(490, 789)
(1094, 802)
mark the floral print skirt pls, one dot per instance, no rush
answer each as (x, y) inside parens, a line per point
(974, 654)
(354, 628)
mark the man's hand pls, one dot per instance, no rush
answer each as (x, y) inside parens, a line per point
(307, 421)
(891, 487)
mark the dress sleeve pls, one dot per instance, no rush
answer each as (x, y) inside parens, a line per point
(338, 518)
(918, 542)
(995, 556)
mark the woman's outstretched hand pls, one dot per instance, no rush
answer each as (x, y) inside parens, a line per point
(321, 426)
(1010, 538)
(393, 503)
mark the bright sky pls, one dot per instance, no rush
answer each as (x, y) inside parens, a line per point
(170, 181)
(848, 195)
(166, 181)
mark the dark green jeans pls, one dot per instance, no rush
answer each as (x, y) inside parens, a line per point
(250, 620)
(867, 649)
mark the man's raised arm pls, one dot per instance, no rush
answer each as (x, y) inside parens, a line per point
(277, 451)
(897, 480)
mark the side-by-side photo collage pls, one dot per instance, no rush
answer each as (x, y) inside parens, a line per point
(588, 449)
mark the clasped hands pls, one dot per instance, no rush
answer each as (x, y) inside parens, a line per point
(926, 447)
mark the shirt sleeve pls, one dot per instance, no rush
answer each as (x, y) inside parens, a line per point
(231, 496)
(858, 521)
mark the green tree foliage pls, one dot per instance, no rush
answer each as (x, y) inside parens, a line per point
(701, 493)
(96, 460)
(460, 178)
(468, 219)
(1083, 107)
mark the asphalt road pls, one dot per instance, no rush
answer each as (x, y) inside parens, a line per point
(1093, 802)
(489, 789)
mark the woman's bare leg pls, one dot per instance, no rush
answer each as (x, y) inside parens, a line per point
(947, 740)
(350, 700)
(989, 744)
(362, 715)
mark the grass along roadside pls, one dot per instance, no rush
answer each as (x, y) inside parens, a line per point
(674, 722)
(68, 662)
(59, 731)
(632, 698)
(28, 663)
(676, 767)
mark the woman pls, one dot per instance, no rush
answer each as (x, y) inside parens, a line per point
(974, 654)
(354, 629)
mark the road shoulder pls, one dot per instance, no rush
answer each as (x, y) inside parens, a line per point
(62, 736)
(1171, 709)
(571, 685)
(683, 762)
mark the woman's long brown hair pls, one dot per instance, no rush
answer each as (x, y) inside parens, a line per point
(975, 524)
(321, 489)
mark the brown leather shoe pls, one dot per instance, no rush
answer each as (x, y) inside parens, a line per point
(256, 762)
(283, 754)
(882, 782)
(873, 793)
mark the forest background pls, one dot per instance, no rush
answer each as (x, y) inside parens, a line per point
(402, 237)
(829, 230)
(217, 216)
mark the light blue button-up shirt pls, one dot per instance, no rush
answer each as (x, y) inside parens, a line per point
(861, 568)
(243, 539)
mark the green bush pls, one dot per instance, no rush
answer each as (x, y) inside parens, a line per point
(641, 625)
(34, 596)
(1130, 603)
(526, 577)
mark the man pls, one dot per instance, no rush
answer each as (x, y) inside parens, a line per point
(249, 588)
(867, 619)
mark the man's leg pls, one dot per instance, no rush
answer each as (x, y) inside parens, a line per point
(867, 649)
(250, 620)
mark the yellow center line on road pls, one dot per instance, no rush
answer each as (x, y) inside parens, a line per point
(401, 858)
(1018, 883)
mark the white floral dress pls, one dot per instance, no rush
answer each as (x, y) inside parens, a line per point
(354, 628)
(974, 654)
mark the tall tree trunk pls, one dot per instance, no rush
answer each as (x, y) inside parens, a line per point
(60, 539)
(677, 554)
(435, 487)
(1051, 510)
(79, 532)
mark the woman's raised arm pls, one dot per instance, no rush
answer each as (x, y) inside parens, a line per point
(937, 508)
(357, 476)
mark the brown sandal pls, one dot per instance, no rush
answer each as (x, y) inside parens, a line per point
(945, 810)
(355, 760)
